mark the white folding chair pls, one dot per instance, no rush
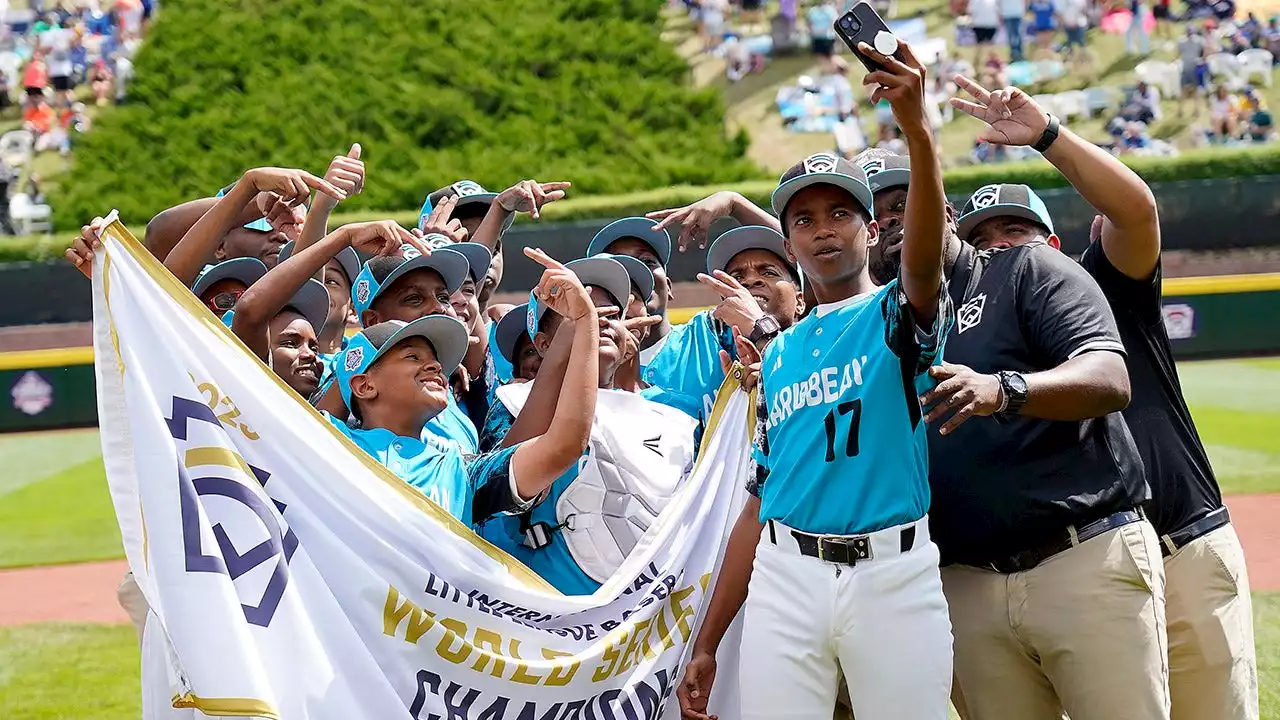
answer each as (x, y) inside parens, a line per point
(1166, 76)
(1073, 103)
(1256, 62)
(1100, 99)
(1226, 68)
(29, 217)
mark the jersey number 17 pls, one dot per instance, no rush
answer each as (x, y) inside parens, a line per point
(853, 409)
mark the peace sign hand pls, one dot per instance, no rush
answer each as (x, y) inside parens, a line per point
(695, 220)
(528, 196)
(737, 307)
(560, 289)
(441, 221)
(1012, 117)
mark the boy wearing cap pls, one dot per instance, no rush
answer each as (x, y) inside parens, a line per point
(206, 236)
(511, 337)
(642, 446)
(337, 276)
(220, 286)
(1108, 616)
(845, 575)
(684, 359)
(394, 377)
(760, 289)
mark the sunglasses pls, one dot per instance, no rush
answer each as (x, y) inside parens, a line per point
(224, 301)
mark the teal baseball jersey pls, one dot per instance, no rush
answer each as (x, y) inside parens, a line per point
(556, 562)
(470, 492)
(452, 428)
(841, 445)
(688, 361)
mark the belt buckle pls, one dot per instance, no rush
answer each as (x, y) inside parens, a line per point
(856, 548)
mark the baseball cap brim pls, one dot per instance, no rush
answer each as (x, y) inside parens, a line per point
(787, 190)
(509, 330)
(347, 257)
(885, 179)
(448, 337)
(639, 274)
(738, 240)
(312, 300)
(602, 271)
(451, 266)
(966, 223)
(477, 255)
(638, 228)
(246, 270)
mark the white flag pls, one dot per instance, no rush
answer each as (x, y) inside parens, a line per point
(290, 575)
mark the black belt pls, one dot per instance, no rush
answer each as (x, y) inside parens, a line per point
(1066, 539)
(1187, 534)
(841, 549)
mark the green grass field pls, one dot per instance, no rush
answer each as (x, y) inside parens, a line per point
(54, 505)
(55, 508)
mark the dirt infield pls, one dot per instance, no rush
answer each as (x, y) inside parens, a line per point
(87, 592)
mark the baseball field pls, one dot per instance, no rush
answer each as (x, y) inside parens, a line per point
(66, 650)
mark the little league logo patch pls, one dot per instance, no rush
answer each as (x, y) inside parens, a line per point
(32, 394)
(871, 167)
(352, 360)
(467, 188)
(409, 252)
(531, 316)
(820, 163)
(985, 197)
(436, 240)
(970, 314)
(362, 291)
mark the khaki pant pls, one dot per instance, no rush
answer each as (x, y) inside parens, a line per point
(1213, 673)
(1082, 633)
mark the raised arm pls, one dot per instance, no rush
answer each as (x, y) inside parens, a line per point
(199, 243)
(538, 462)
(695, 220)
(267, 297)
(346, 173)
(527, 196)
(902, 83)
(1131, 231)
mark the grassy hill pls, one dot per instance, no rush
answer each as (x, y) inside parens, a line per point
(492, 90)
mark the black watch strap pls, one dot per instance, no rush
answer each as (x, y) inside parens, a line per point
(1049, 135)
(765, 327)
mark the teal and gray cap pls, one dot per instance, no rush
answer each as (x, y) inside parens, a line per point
(633, 227)
(380, 272)
(510, 328)
(887, 171)
(245, 269)
(601, 271)
(822, 169)
(640, 274)
(447, 336)
(740, 239)
(1002, 201)
(347, 257)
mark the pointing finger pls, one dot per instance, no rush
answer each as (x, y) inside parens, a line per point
(543, 259)
(724, 290)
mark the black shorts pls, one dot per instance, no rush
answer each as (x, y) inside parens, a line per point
(35, 92)
(826, 47)
(1160, 12)
(752, 5)
(984, 35)
(62, 83)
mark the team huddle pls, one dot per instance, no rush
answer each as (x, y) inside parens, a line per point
(975, 480)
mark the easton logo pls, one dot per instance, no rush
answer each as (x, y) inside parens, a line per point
(820, 163)
(652, 444)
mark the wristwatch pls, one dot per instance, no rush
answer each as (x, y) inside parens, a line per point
(766, 327)
(1048, 136)
(1014, 388)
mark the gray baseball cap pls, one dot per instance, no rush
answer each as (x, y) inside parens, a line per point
(245, 269)
(748, 237)
(347, 257)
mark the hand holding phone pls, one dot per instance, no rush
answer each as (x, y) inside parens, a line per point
(862, 24)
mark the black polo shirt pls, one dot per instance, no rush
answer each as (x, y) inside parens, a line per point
(1183, 487)
(1004, 486)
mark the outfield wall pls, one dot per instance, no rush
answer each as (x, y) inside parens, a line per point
(1224, 316)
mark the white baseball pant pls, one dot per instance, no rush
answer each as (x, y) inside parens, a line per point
(883, 620)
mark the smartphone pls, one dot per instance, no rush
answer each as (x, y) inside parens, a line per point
(861, 24)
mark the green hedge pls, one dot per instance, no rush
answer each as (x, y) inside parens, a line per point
(1198, 165)
(491, 90)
